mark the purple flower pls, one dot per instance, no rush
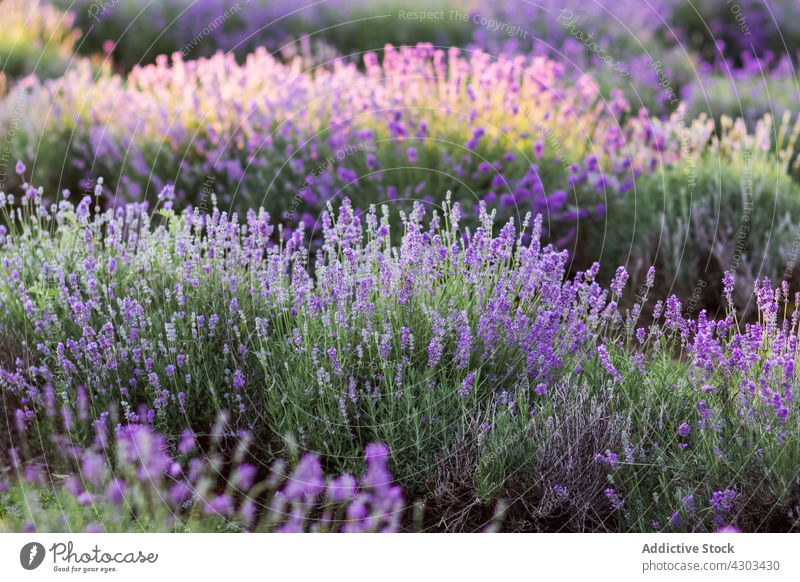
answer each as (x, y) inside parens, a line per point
(221, 505)
(179, 493)
(727, 285)
(609, 458)
(605, 361)
(722, 501)
(342, 488)
(613, 498)
(238, 380)
(93, 466)
(187, 442)
(244, 476)
(376, 455)
(620, 279)
(307, 481)
(434, 352)
(561, 491)
(167, 193)
(115, 491)
(466, 385)
(651, 277)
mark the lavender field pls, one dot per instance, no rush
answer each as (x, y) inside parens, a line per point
(405, 266)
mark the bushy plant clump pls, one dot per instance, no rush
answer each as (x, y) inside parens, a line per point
(574, 31)
(733, 207)
(516, 132)
(488, 372)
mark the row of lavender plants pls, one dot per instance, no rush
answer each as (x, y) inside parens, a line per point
(487, 371)
(505, 128)
(515, 132)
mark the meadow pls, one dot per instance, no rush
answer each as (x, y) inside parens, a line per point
(455, 266)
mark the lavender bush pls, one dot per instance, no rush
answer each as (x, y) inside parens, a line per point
(139, 31)
(728, 52)
(733, 207)
(624, 45)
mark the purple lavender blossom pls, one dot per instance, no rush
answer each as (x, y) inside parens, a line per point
(466, 385)
(605, 361)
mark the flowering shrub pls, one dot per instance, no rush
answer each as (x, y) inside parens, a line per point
(618, 43)
(489, 373)
(732, 207)
(627, 46)
(517, 132)
(573, 31)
